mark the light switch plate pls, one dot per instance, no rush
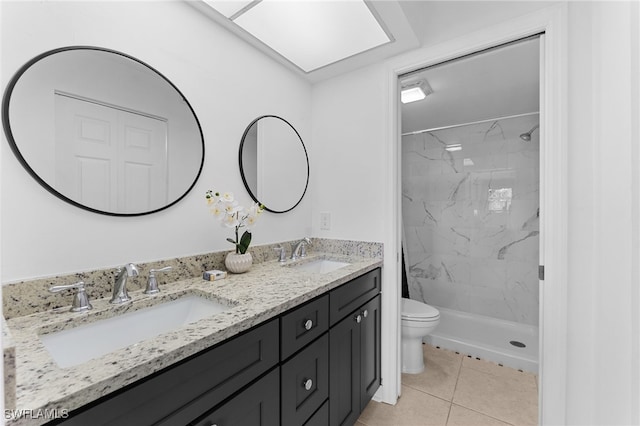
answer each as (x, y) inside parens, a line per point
(325, 221)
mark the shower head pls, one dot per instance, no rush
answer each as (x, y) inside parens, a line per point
(527, 136)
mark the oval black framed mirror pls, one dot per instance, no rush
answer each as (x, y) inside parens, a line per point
(274, 163)
(103, 131)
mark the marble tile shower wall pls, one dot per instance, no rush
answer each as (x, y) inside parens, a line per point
(471, 218)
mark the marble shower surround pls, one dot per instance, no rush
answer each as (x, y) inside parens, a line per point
(31, 296)
(471, 218)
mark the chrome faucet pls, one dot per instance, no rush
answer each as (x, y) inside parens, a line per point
(120, 288)
(152, 282)
(80, 298)
(282, 254)
(298, 249)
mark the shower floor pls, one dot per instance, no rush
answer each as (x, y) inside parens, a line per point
(507, 343)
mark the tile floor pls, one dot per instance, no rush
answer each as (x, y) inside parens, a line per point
(456, 390)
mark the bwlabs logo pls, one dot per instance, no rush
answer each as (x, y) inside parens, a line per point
(44, 414)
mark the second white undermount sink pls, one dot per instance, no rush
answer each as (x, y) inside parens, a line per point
(320, 266)
(77, 345)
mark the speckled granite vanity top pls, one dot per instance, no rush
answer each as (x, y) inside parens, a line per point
(267, 290)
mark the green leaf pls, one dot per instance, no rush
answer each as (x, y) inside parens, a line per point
(231, 241)
(244, 242)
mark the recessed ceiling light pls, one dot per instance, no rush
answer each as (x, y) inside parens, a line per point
(415, 91)
(309, 34)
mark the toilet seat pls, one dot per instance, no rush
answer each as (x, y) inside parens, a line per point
(412, 310)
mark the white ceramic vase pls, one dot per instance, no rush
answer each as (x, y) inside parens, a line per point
(238, 263)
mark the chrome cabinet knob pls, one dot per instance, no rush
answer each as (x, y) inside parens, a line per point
(358, 318)
(308, 324)
(307, 384)
(365, 313)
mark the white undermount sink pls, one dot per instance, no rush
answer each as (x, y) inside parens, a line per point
(320, 266)
(77, 345)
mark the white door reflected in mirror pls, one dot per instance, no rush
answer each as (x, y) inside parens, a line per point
(107, 157)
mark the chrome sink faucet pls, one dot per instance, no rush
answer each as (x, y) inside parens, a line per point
(298, 249)
(80, 298)
(120, 288)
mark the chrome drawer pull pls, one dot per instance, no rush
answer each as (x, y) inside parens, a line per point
(307, 384)
(308, 324)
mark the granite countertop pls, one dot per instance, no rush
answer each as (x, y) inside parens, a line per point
(264, 292)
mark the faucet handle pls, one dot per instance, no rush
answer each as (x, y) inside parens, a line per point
(80, 299)
(282, 253)
(152, 282)
(303, 247)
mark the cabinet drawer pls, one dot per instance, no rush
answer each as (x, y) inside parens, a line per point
(303, 325)
(255, 406)
(230, 367)
(348, 297)
(181, 393)
(320, 417)
(305, 382)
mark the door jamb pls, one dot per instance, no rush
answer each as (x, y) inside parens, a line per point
(551, 21)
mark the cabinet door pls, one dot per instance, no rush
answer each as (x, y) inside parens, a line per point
(344, 375)
(305, 382)
(370, 350)
(258, 405)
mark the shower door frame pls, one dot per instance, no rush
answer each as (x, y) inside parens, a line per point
(552, 22)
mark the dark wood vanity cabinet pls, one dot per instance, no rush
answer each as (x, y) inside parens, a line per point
(317, 364)
(181, 393)
(355, 362)
(256, 405)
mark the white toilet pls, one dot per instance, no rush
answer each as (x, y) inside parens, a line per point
(418, 320)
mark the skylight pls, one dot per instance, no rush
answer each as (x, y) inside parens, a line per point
(311, 34)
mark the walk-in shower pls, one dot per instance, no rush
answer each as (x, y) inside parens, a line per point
(470, 201)
(471, 235)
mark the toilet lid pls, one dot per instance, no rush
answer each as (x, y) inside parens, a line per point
(417, 310)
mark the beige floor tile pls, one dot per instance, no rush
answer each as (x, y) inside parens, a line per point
(440, 373)
(496, 370)
(460, 416)
(501, 393)
(414, 408)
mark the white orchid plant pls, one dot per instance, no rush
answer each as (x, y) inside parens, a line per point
(226, 209)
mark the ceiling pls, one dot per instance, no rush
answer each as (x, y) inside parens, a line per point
(389, 13)
(498, 83)
(501, 82)
(411, 23)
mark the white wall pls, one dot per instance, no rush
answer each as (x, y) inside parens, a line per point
(352, 181)
(602, 295)
(228, 84)
(351, 163)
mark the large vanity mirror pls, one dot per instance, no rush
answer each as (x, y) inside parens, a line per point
(103, 131)
(274, 164)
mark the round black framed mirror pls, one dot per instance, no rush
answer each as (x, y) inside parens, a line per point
(103, 131)
(274, 163)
